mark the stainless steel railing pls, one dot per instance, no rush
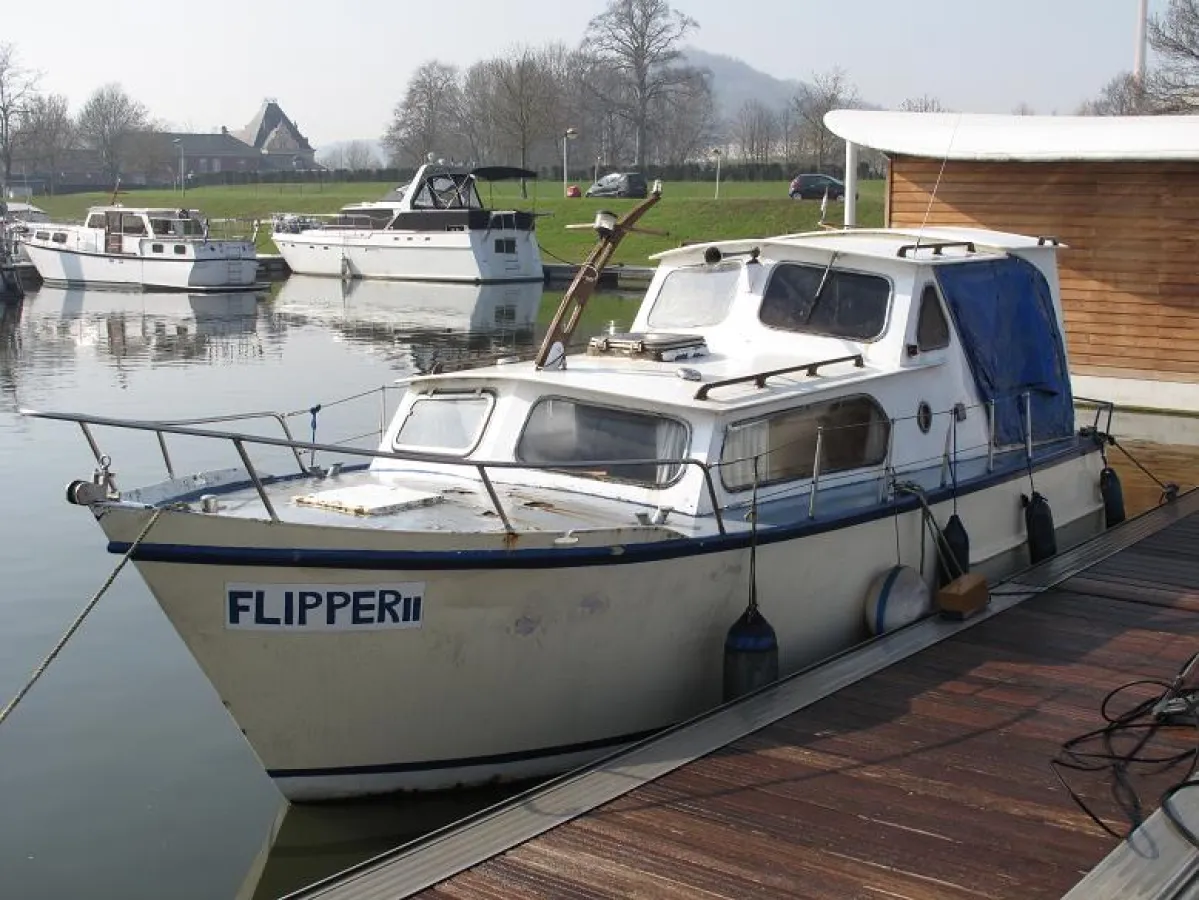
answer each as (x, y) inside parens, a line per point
(188, 427)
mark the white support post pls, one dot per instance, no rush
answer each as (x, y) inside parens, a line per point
(1138, 64)
(851, 184)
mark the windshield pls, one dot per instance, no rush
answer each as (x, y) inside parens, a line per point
(570, 431)
(695, 296)
(447, 191)
(444, 423)
(814, 299)
(177, 227)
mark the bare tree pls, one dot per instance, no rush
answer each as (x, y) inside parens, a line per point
(924, 103)
(105, 124)
(360, 155)
(827, 91)
(684, 120)
(640, 40)
(477, 112)
(1124, 95)
(426, 120)
(755, 131)
(1175, 36)
(525, 98)
(1023, 109)
(49, 134)
(18, 86)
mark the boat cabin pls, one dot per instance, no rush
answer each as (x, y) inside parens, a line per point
(439, 198)
(842, 359)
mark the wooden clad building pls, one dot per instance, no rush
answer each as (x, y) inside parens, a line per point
(1121, 192)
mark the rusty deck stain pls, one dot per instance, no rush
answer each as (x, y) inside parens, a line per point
(930, 779)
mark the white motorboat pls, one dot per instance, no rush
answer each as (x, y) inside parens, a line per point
(17, 218)
(434, 229)
(542, 559)
(161, 249)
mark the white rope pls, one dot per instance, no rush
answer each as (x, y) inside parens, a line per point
(62, 642)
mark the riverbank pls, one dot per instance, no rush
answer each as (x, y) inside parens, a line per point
(688, 211)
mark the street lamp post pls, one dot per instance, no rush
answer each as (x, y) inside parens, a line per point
(568, 135)
(182, 166)
(717, 154)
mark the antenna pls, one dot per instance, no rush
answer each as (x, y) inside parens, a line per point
(932, 198)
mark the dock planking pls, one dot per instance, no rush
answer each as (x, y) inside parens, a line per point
(930, 779)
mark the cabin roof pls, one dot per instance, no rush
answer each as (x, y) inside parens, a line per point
(619, 377)
(138, 210)
(876, 243)
(980, 137)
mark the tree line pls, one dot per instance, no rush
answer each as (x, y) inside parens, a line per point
(37, 128)
(624, 96)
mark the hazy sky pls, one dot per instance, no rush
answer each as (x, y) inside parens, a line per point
(338, 67)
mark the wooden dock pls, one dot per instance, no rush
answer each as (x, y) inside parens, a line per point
(915, 766)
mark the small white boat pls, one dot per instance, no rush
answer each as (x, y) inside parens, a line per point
(542, 560)
(160, 249)
(16, 218)
(434, 229)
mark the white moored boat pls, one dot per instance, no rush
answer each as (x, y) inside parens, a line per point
(433, 229)
(163, 249)
(542, 559)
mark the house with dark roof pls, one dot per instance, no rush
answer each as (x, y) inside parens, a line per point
(277, 139)
(204, 154)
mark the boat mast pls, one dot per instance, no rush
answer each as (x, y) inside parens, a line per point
(611, 231)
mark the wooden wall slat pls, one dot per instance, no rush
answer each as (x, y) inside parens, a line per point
(1130, 275)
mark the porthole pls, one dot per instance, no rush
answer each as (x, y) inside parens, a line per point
(924, 417)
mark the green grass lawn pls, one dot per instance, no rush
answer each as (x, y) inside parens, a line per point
(688, 211)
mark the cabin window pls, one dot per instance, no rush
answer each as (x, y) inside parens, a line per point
(505, 245)
(59, 237)
(932, 328)
(95, 220)
(856, 432)
(157, 248)
(445, 422)
(568, 431)
(133, 225)
(181, 249)
(813, 299)
(42, 235)
(695, 296)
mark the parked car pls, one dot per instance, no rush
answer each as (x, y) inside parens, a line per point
(812, 187)
(620, 184)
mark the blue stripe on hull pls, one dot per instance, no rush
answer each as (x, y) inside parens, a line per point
(566, 557)
(495, 759)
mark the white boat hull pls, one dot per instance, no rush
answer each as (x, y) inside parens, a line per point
(464, 256)
(504, 673)
(70, 267)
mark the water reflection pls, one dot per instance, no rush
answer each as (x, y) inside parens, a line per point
(419, 324)
(309, 842)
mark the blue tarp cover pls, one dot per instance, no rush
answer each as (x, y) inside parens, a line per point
(1004, 314)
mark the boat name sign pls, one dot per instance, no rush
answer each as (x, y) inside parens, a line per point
(336, 607)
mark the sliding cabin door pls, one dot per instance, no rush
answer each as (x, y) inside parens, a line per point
(113, 242)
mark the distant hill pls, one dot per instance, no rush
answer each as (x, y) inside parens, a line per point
(734, 81)
(374, 144)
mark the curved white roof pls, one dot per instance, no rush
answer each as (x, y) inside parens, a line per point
(975, 136)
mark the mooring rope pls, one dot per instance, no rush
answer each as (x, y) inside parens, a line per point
(62, 642)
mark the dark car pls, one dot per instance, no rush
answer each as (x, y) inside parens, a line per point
(813, 187)
(620, 184)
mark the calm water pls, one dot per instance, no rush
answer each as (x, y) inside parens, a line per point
(120, 774)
